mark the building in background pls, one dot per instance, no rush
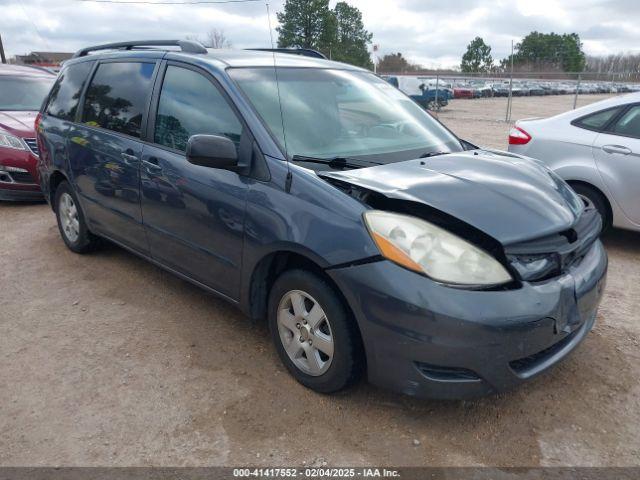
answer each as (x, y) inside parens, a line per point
(52, 60)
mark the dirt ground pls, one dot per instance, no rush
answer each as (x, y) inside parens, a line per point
(107, 360)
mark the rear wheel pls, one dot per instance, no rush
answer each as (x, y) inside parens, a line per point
(71, 221)
(314, 333)
(592, 197)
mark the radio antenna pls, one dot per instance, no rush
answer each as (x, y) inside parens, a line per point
(287, 186)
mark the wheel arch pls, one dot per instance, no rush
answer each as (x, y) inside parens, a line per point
(267, 270)
(607, 201)
(56, 178)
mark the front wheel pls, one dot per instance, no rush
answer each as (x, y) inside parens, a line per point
(314, 333)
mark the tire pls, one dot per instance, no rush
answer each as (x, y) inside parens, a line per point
(71, 222)
(598, 200)
(324, 373)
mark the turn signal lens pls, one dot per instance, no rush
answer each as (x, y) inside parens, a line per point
(393, 253)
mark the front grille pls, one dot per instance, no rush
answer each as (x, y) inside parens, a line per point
(564, 249)
(22, 177)
(33, 145)
(522, 365)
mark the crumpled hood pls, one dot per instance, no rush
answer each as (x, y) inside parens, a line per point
(21, 124)
(509, 197)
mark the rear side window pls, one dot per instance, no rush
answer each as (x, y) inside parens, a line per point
(629, 123)
(117, 97)
(190, 104)
(598, 120)
(65, 94)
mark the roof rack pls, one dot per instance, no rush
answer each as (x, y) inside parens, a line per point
(188, 46)
(307, 52)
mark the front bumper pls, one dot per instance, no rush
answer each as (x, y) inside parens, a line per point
(425, 339)
(9, 195)
(19, 179)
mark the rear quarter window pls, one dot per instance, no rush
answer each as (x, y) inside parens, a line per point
(118, 96)
(597, 121)
(65, 94)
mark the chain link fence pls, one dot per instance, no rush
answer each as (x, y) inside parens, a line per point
(481, 108)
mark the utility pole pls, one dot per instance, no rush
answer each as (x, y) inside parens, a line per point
(507, 116)
(375, 58)
(575, 97)
(4, 59)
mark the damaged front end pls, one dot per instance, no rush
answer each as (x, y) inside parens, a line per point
(489, 202)
(428, 339)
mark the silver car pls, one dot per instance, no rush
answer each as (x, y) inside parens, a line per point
(596, 149)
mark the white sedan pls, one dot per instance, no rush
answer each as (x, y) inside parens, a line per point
(596, 149)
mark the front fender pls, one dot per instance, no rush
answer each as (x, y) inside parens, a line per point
(315, 220)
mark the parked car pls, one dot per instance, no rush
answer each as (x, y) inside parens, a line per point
(517, 90)
(22, 90)
(500, 89)
(596, 149)
(368, 236)
(482, 89)
(421, 91)
(535, 89)
(463, 91)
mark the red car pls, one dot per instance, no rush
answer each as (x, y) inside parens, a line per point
(463, 92)
(22, 91)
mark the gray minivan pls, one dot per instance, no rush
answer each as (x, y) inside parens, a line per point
(317, 196)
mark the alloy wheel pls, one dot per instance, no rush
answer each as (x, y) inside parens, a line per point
(69, 217)
(305, 332)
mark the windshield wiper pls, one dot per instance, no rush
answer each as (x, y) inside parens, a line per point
(432, 154)
(336, 162)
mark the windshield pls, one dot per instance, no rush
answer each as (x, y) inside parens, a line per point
(23, 93)
(329, 113)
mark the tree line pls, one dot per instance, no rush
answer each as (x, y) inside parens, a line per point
(339, 33)
(537, 52)
(547, 52)
(621, 62)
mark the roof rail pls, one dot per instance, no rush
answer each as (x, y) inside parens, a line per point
(188, 46)
(307, 52)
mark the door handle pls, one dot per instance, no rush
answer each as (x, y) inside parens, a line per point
(152, 164)
(622, 150)
(128, 157)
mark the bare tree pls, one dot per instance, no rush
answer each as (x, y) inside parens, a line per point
(217, 39)
(214, 38)
(621, 62)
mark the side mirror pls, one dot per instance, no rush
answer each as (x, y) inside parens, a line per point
(213, 151)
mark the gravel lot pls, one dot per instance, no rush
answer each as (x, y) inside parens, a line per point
(107, 360)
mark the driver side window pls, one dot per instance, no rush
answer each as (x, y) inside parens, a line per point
(190, 104)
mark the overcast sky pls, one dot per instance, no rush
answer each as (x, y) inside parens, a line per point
(433, 33)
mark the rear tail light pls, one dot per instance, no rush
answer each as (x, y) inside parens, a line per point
(518, 136)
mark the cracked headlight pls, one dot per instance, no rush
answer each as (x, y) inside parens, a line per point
(425, 248)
